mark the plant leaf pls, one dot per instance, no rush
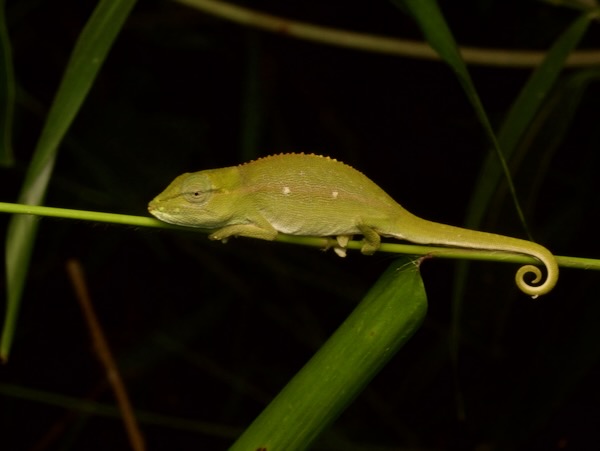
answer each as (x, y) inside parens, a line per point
(521, 114)
(7, 92)
(90, 52)
(385, 319)
(439, 36)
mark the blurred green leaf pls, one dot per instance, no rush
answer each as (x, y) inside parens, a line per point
(89, 54)
(438, 35)
(7, 92)
(521, 114)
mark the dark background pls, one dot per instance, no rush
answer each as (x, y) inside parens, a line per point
(210, 332)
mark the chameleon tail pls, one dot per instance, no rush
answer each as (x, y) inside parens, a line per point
(427, 232)
(551, 265)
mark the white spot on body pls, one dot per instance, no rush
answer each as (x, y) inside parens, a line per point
(286, 190)
(334, 194)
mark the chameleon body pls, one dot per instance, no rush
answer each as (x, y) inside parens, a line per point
(312, 195)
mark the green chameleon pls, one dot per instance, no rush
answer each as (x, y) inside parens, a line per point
(312, 195)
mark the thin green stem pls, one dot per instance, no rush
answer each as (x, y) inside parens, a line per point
(395, 248)
(379, 44)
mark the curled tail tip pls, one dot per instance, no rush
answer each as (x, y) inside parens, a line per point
(537, 290)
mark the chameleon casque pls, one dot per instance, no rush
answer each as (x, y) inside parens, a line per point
(312, 195)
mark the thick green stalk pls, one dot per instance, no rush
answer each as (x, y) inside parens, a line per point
(385, 319)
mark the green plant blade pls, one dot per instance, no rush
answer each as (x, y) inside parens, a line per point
(438, 35)
(384, 320)
(519, 118)
(90, 52)
(7, 92)
(521, 114)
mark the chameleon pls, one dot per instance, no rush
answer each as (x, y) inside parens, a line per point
(313, 195)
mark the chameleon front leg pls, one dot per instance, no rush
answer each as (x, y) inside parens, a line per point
(266, 232)
(339, 244)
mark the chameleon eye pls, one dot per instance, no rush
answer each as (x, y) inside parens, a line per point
(196, 188)
(196, 195)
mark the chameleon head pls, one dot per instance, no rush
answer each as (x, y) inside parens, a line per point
(186, 201)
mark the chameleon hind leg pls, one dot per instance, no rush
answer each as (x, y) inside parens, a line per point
(371, 241)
